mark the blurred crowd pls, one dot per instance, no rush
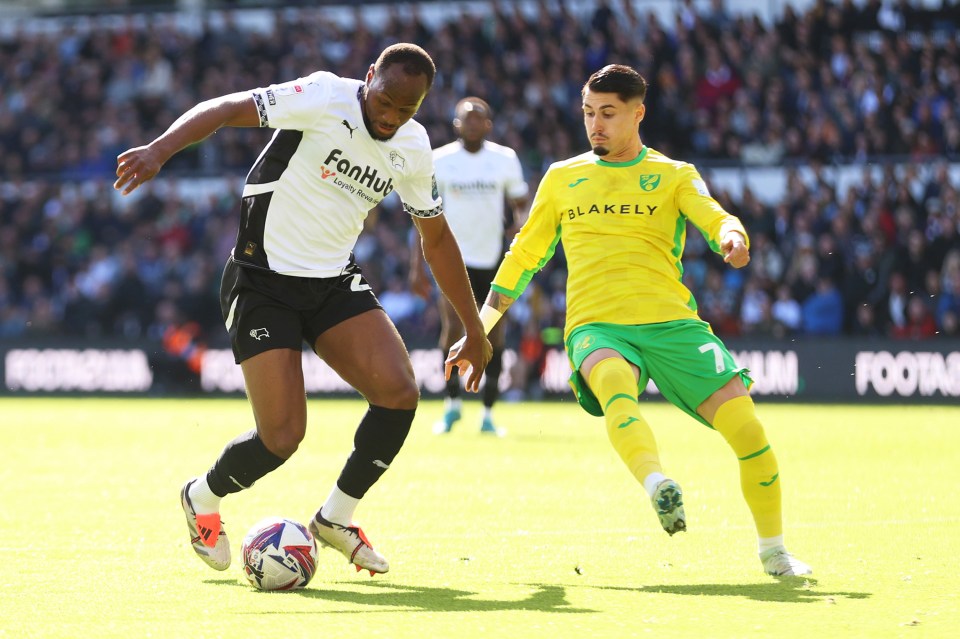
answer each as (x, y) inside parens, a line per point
(874, 84)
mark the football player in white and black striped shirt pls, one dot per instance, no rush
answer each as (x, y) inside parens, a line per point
(340, 147)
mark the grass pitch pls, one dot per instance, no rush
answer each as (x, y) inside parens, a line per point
(540, 534)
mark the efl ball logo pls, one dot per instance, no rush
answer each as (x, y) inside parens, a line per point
(279, 554)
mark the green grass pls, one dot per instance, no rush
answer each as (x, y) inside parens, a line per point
(541, 534)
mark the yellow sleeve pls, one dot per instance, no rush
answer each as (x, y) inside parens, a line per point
(533, 246)
(694, 201)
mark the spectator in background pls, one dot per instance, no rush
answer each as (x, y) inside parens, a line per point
(823, 310)
(767, 263)
(756, 317)
(718, 83)
(893, 88)
(830, 260)
(948, 306)
(862, 283)
(804, 269)
(895, 304)
(787, 312)
(919, 322)
(864, 322)
(914, 260)
(718, 304)
(943, 232)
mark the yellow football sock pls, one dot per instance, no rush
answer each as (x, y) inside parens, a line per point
(613, 383)
(759, 473)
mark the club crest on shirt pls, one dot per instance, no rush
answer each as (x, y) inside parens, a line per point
(397, 160)
(649, 181)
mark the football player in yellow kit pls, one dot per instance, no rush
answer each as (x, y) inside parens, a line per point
(621, 210)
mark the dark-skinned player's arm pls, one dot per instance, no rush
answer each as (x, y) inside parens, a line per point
(418, 279)
(441, 252)
(140, 164)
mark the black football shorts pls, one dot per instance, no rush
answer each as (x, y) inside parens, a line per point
(265, 310)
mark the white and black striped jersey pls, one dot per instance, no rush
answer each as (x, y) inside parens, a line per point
(473, 187)
(307, 195)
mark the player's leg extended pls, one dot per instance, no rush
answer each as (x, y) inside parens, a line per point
(613, 381)
(384, 376)
(450, 331)
(731, 412)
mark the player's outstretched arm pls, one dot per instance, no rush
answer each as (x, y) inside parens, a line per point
(140, 164)
(441, 252)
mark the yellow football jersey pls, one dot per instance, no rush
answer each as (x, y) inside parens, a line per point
(623, 227)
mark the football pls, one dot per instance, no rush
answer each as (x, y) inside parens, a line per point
(279, 554)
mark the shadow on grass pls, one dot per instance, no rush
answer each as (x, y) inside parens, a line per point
(545, 598)
(786, 589)
(225, 582)
(398, 597)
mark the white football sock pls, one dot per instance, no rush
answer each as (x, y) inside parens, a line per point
(339, 507)
(766, 543)
(488, 413)
(650, 483)
(203, 500)
(452, 403)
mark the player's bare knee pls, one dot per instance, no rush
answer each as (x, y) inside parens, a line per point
(404, 394)
(284, 446)
(408, 395)
(283, 438)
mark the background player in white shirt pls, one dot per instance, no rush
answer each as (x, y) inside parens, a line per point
(340, 147)
(476, 178)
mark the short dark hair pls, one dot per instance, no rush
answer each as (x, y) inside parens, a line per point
(414, 59)
(474, 103)
(625, 81)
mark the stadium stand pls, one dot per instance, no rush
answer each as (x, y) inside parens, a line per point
(867, 86)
